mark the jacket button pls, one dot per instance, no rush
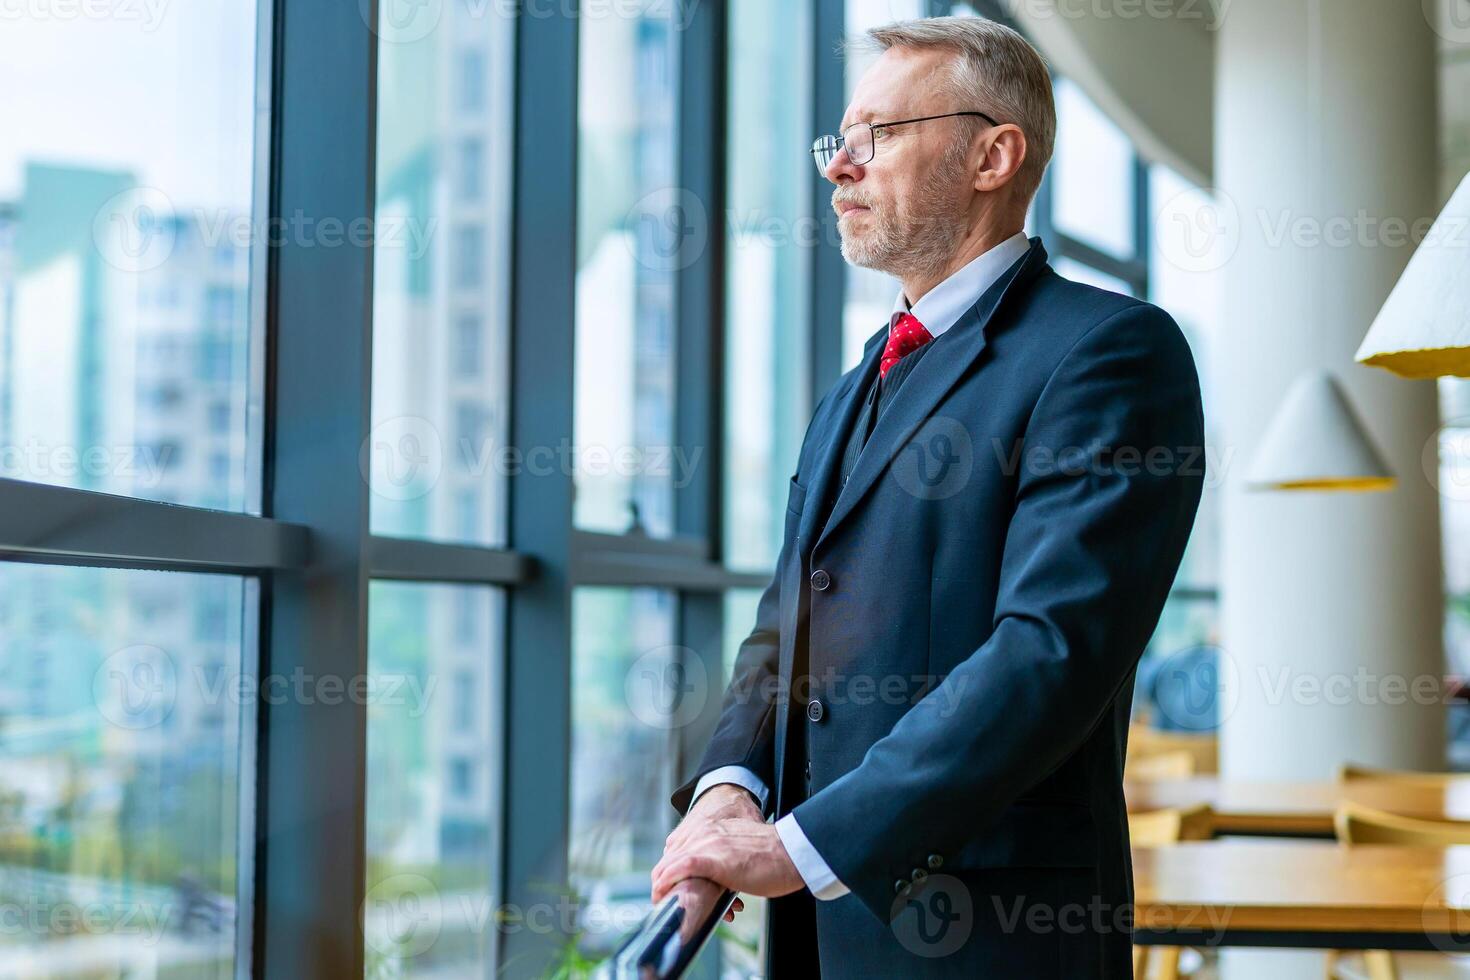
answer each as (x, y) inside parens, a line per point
(820, 580)
(815, 710)
(919, 874)
(900, 886)
(934, 861)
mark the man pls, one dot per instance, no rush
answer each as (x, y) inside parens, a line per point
(986, 517)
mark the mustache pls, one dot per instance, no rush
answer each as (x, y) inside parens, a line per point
(852, 196)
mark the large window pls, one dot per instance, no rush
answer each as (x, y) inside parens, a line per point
(629, 690)
(126, 740)
(432, 754)
(635, 228)
(441, 275)
(768, 297)
(128, 203)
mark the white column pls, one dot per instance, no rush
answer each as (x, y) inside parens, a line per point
(1325, 145)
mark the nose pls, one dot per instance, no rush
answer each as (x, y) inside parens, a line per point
(841, 166)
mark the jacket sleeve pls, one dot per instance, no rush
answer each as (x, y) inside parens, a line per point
(746, 732)
(1091, 552)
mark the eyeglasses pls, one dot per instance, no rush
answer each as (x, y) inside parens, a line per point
(860, 143)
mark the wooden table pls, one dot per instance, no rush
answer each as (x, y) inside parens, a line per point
(1297, 809)
(1303, 894)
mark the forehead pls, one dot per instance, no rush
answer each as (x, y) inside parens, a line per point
(900, 83)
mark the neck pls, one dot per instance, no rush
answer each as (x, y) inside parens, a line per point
(980, 238)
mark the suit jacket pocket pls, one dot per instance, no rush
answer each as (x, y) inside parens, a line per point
(1034, 834)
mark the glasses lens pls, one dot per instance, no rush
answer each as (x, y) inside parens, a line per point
(824, 148)
(859, 142)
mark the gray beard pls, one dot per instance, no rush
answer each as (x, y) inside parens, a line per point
(919, 248)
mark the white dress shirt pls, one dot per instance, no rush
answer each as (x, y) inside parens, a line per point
(938, 310)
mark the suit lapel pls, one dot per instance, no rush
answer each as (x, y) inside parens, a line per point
(936, 373)
(848, 403)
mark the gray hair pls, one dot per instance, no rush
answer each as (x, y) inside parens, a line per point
(997, 72)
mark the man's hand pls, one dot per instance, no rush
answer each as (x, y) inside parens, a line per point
(724, 801)
(727, 840)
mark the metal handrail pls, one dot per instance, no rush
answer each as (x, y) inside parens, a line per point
(671, 936)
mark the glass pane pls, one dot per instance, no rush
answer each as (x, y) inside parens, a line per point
(768, 300)
(125, 785)
(741, 941)
(624, 747)
(1091, 175)
(635, 229)
(1191, 295)
(441, 277)
(129, 354)
(434, 657)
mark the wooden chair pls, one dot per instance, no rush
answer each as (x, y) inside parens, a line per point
(1160, 828)
(1145, 740)
(1357, 824)
(1178, 764)
(1352, 772)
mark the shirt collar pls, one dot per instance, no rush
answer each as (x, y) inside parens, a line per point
(941, 307)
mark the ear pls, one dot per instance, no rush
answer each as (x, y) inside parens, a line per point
(1002, 151)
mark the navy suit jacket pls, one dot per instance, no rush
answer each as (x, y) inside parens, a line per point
(972, 611)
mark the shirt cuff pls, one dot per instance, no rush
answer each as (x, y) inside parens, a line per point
(739, 775)
(809, 864)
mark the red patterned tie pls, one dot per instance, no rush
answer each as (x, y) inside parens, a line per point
(907, 334)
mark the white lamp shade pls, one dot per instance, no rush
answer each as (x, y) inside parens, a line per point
(1423, 330)
(1316, 442)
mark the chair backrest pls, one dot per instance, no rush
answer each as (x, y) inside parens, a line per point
(1351, 772)
(1165, 765)
(1204, 747)
(1358, 824)
(1156, 828)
